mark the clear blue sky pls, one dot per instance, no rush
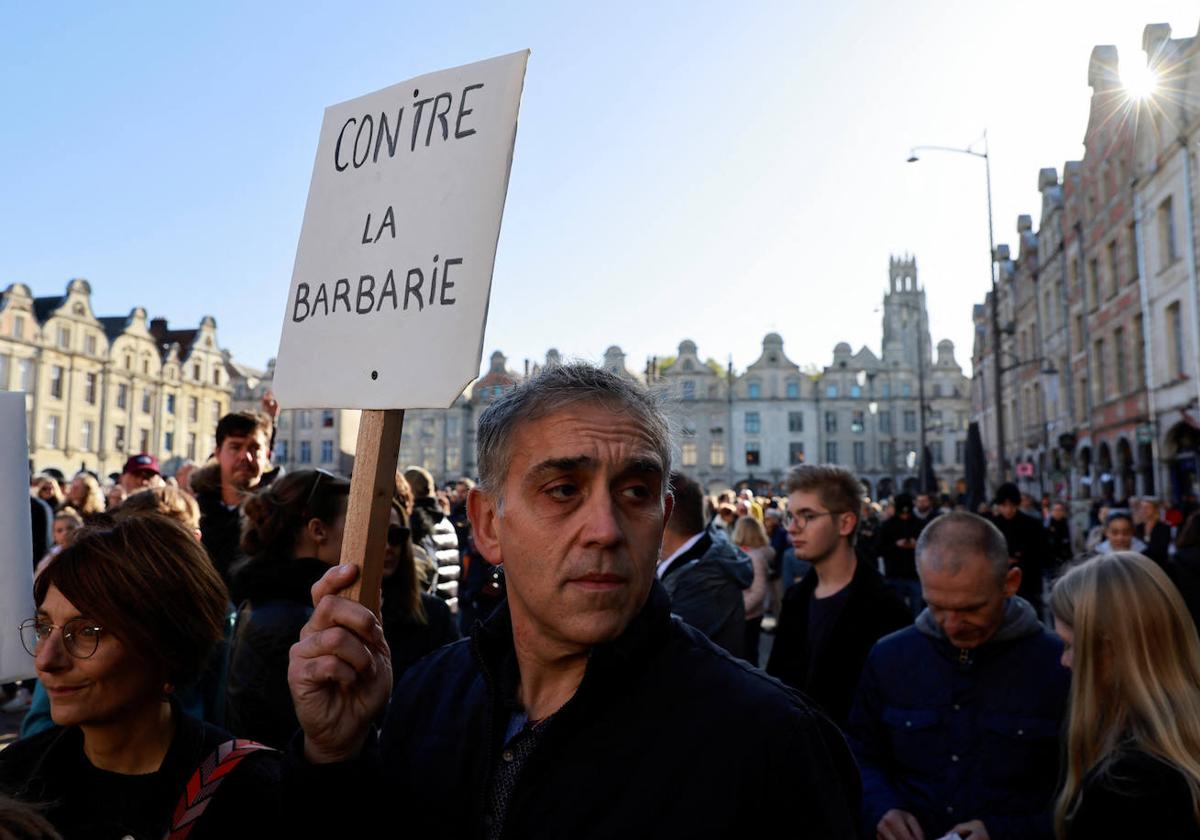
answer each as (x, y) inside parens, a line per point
(682, 170)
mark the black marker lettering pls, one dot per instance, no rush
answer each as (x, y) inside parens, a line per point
(389, 221)
(321, 298)
(462, 112)
(439, 115)
(301, 298)
(446, 284)
(337, 150)
(383, 132)
(368, 123)
(341, 291)
(409, 288)
(366, 289)
(388, 290)
(421, 103)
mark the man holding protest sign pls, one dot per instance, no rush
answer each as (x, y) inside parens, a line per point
(566, 711)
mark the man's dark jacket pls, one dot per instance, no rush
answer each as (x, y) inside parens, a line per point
(220, 526)
(1058, 535)
(899, 563)
(950, 735)
(1029, 546)
(705, 586)
(1158, 541)
(871, 611)
(41, 519)
(666, 736)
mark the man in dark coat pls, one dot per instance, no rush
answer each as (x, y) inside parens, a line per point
(1155, 533)
(243, 454)
(581, 708)
(897, 545)
(1058, 534)
(832, 618)
(1028, 547)
(41, 521)
(703, 573)
(956, 720)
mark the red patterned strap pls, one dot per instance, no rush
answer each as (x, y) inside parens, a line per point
(204, 783)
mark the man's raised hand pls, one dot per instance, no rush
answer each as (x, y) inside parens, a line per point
(340, 672)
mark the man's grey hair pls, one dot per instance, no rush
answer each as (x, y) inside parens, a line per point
(951, 540)
(554, 388)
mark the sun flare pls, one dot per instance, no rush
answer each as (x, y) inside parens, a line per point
(1139, 81)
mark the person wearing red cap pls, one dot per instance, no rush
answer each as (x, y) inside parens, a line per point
(141, 471)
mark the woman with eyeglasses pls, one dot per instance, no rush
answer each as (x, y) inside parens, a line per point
(292, 535)
(124, 616)
(414, 622)
(1133, 727)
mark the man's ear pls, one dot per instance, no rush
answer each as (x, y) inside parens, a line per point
(484, 513)
(1012, 581)
(847, 523)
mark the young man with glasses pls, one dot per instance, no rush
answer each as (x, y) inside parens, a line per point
(830, 619)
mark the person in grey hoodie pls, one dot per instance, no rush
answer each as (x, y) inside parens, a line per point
(704, 573)
(956, 720)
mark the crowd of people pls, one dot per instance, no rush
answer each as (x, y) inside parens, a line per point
(569, 646)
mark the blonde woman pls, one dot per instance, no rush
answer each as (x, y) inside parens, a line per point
(85, 497)
(47, 489)
(1133, 733)
(750, 536)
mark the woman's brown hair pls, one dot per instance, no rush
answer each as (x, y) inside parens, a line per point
(276, 514)
(167, 501)
(149, 582)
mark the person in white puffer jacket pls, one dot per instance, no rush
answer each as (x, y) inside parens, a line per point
(432, 530)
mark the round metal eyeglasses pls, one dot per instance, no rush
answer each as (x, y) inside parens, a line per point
(81, 636)
(804, 518)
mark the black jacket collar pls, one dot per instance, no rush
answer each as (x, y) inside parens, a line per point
(492, 642)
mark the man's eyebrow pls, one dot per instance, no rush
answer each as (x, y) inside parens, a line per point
(556, 465)
(639, 466)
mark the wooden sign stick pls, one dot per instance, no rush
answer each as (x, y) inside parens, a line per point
(364, 540)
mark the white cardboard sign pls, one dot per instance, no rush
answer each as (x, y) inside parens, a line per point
(390, 288)
(16, 538)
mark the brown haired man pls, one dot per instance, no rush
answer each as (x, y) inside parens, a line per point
(242, 455)
(830, 619)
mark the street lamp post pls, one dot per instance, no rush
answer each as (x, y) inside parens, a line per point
(1048, 372)
(999, 393)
